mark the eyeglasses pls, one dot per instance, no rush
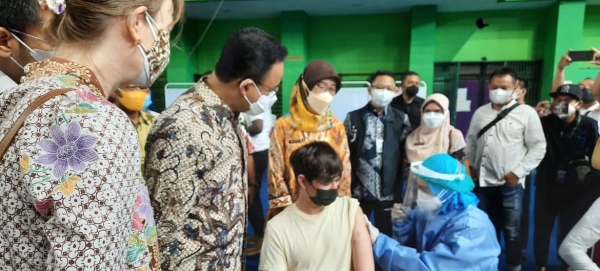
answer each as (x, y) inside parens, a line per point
(324, 87)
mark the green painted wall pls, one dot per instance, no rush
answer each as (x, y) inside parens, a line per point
(591, 37)
(209, 51)
(181, 67)
(361, 43)
(422, 50)
(365, 43)
(591, 27)
(564, 31)
(294, 35)
(512, 35)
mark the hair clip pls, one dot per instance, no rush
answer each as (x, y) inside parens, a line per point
(57, 6)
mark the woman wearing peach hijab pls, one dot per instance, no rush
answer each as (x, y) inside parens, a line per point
(435, 134)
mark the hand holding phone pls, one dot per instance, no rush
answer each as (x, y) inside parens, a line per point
(547, 111)
(581, 55)
(596, 59)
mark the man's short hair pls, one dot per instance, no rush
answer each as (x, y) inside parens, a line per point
(407, 74)
(317, 161)
(522, 82)
(381, 73)
(504, 72)
(19, 14)
(249, 53)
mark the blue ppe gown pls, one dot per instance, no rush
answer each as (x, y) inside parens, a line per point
(462, 240)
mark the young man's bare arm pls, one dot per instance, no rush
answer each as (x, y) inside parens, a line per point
(272, 255)
(362, 249)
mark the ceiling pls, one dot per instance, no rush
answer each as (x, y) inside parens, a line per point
(245, 9)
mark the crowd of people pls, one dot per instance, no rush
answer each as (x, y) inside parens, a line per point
(94, 180)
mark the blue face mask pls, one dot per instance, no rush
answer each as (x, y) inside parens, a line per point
(147, 103)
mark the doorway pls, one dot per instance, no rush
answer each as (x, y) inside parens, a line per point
(465, 85)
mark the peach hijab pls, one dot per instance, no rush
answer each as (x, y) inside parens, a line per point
(424, 141)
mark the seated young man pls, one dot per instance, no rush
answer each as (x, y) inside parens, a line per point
(319, 231)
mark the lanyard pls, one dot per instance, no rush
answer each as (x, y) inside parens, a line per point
(574, 128)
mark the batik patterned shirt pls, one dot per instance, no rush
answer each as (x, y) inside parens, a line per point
(196, 173)
(371, 163)
(285, 139)
(71, 192)
(143, 129)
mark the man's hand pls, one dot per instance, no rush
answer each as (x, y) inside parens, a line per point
(399, 213)
(511, 179)
(474, 174)
(373, 232)
(564, 61)
(596, 56)
(541, 108)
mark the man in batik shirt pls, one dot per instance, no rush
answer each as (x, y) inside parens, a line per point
(196, 160)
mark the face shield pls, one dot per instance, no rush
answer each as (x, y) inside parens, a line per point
(424, 190)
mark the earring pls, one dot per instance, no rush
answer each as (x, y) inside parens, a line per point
(138, 42)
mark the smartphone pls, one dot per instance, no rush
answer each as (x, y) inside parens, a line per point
(581, 55)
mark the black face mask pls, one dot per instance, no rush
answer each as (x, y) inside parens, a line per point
(587, 96)
(324, 197)
(412, 91)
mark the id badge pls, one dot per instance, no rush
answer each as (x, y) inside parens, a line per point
(560, 176)
(379, 145)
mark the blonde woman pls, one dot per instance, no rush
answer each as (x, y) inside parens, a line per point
(73, 197)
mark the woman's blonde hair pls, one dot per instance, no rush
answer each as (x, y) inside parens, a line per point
(84, 20)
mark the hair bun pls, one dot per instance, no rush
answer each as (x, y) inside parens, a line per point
(56, 6)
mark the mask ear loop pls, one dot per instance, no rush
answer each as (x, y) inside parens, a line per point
(146, 68)
(23, 43)
(18, 64)
(150, 22)
(152, 25)
(33, 52)
(29, 35)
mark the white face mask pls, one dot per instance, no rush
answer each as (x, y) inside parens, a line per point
(40, 55)
(156, 58)
(516, 95)
(433, 119)
(382, 97)
(427, 202)
(560, 110)
(260, 106)
(272, 98)
(500, 96)
(36, 54)
(319, 102)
